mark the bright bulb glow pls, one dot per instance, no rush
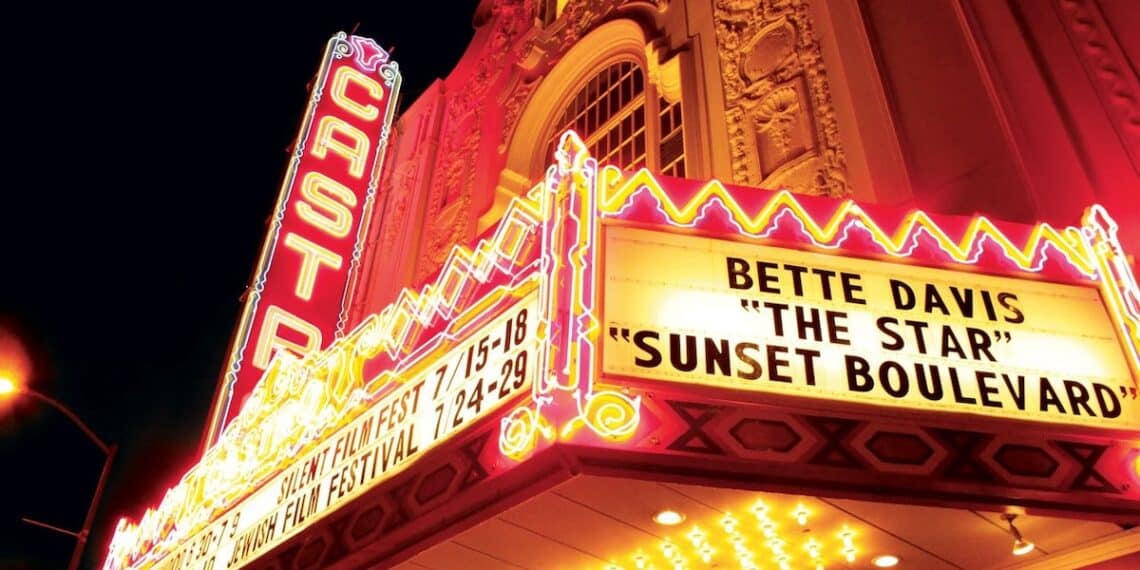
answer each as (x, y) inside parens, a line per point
(668, 518)
(885, 561)
(1021, 547)
(801, 514)
(7, 386)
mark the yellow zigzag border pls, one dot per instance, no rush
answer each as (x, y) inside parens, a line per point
(182, 513)
(616, 193)
(395, 329)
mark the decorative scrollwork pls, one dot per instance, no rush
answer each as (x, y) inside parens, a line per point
(520, 431)
(609, 414)
(781, 123)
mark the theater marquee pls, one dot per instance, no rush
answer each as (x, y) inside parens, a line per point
(622, 324)
(683, 308)
(436, 399)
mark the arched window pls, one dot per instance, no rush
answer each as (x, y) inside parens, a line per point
(609, 112)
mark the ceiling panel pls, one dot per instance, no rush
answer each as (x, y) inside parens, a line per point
(633, 502)
(577, 525)
(959, 536)
(596, 523)
(445, 555)
(1053, 534)
(523, 547)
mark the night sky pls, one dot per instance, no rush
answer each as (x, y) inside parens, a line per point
(145, 149)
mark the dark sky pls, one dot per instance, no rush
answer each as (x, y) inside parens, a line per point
(144, 150)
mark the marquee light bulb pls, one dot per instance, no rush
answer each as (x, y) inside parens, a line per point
(668, 517)
(760, 509)
(801, 513)
(696, 536)
(885, 561)
(706, 553)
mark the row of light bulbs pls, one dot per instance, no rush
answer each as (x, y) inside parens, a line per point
(702, 547)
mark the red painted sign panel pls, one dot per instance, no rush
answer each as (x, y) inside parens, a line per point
(296, 300)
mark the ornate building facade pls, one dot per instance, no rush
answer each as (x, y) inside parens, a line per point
(1024, 110)
(875, 139)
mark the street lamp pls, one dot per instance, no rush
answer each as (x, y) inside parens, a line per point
(8, 386)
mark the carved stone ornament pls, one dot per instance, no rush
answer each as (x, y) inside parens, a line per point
(448, 219)
(781, 124)
(497, 78)
(1115, 81)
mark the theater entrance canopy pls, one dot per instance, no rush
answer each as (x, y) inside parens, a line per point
(809, 382)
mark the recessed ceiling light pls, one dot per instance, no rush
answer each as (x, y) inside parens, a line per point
(668, 518)
(885, 561)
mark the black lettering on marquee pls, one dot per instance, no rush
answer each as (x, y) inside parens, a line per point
(797, 272)
(777, 289)
(775, 363)
(1015, 315)
(685, 359)
(653, 358)
(754, 370)
(777, 316)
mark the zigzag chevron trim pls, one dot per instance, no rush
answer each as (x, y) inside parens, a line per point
(232, 468)
(617, 192)
(297, 403)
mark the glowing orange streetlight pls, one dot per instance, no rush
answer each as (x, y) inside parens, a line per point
(11, 386)
(7, 386)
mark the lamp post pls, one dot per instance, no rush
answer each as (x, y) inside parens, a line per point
(8, 386)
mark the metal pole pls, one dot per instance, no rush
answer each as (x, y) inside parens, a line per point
(81, 538)
(35, 522)
(108, 451)
(70, 415)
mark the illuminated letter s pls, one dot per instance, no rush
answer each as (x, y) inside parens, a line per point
(331, 198)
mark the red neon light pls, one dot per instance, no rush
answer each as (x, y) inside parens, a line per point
(296, 300)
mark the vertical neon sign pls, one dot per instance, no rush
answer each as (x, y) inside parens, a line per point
(296, 301)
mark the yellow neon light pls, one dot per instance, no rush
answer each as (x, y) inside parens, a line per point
(731, 542)
(356, 154)
(618, 190)
(576, 195)
(333, 200)
(269, 343)
(313, 256)
(609, 414)
(520, 432)
(1093, 248)
(298, 400)
(346, 75)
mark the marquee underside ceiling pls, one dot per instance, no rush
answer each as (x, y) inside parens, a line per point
(606, 523)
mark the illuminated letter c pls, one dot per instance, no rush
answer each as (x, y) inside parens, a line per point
(346, 75)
